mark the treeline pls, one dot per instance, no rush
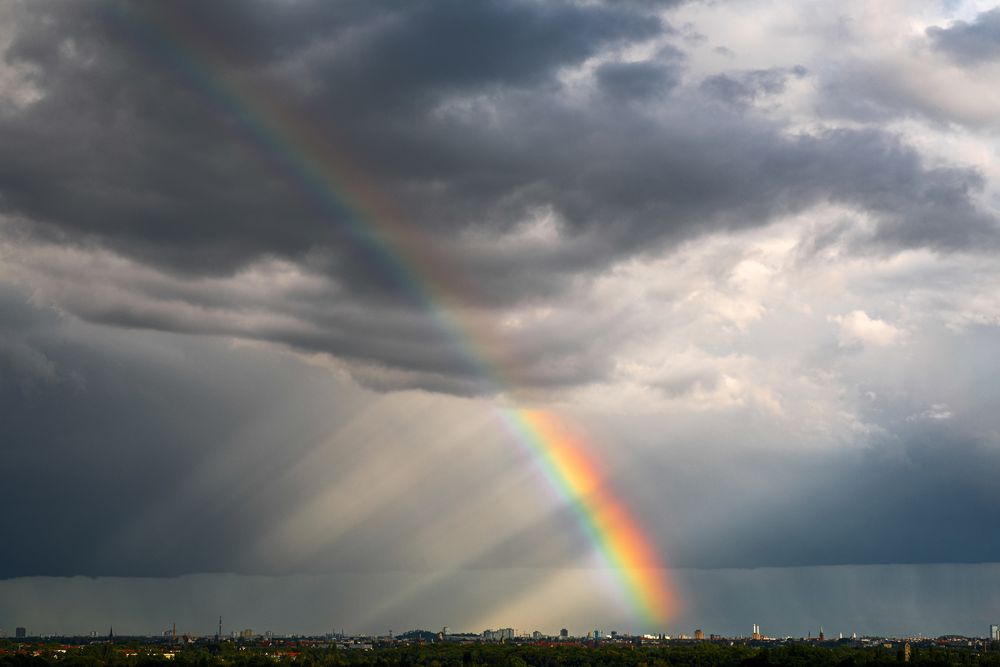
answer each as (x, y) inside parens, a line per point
(486, 655)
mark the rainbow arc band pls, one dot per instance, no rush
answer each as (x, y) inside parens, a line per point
(305, 152)
(609, 524)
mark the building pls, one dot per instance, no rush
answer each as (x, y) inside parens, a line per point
(20, 633)
(699, 634)
(564, 634)
(503, 634)
(995, 632)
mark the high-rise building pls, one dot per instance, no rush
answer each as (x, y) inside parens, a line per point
(503, 634)
(20, 633)
(564, 633)
(995, 633)
(699, 634)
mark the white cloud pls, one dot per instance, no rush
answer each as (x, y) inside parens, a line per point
(857, 328)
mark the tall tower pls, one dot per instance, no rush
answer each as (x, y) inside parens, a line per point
(218, 637)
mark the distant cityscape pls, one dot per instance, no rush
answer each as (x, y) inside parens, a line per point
(500, 647)
(508, 635)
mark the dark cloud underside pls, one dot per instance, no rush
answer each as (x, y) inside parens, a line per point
(968, 42)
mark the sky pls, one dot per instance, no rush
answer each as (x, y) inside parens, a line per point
(274, 274)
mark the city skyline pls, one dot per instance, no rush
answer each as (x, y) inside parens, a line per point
(617, 313)
(499, 636)
(891, 601)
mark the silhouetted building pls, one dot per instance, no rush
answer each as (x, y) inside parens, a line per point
(564, 633)
(20, 633)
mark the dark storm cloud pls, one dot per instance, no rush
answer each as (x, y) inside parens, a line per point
(158, 455)
(101, 433)
(972, 42)
(161, 455)
(132, 152)
(924, 503)
(128, 143)
(745, 87)
(386, 346)
(923, 499)
(642, 79)
(457, 113)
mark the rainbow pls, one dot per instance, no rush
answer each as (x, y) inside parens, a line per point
(306, 152)
(607, 521)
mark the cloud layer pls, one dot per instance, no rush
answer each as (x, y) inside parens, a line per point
(750, 249)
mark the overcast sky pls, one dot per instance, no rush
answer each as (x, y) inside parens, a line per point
(749, 248)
